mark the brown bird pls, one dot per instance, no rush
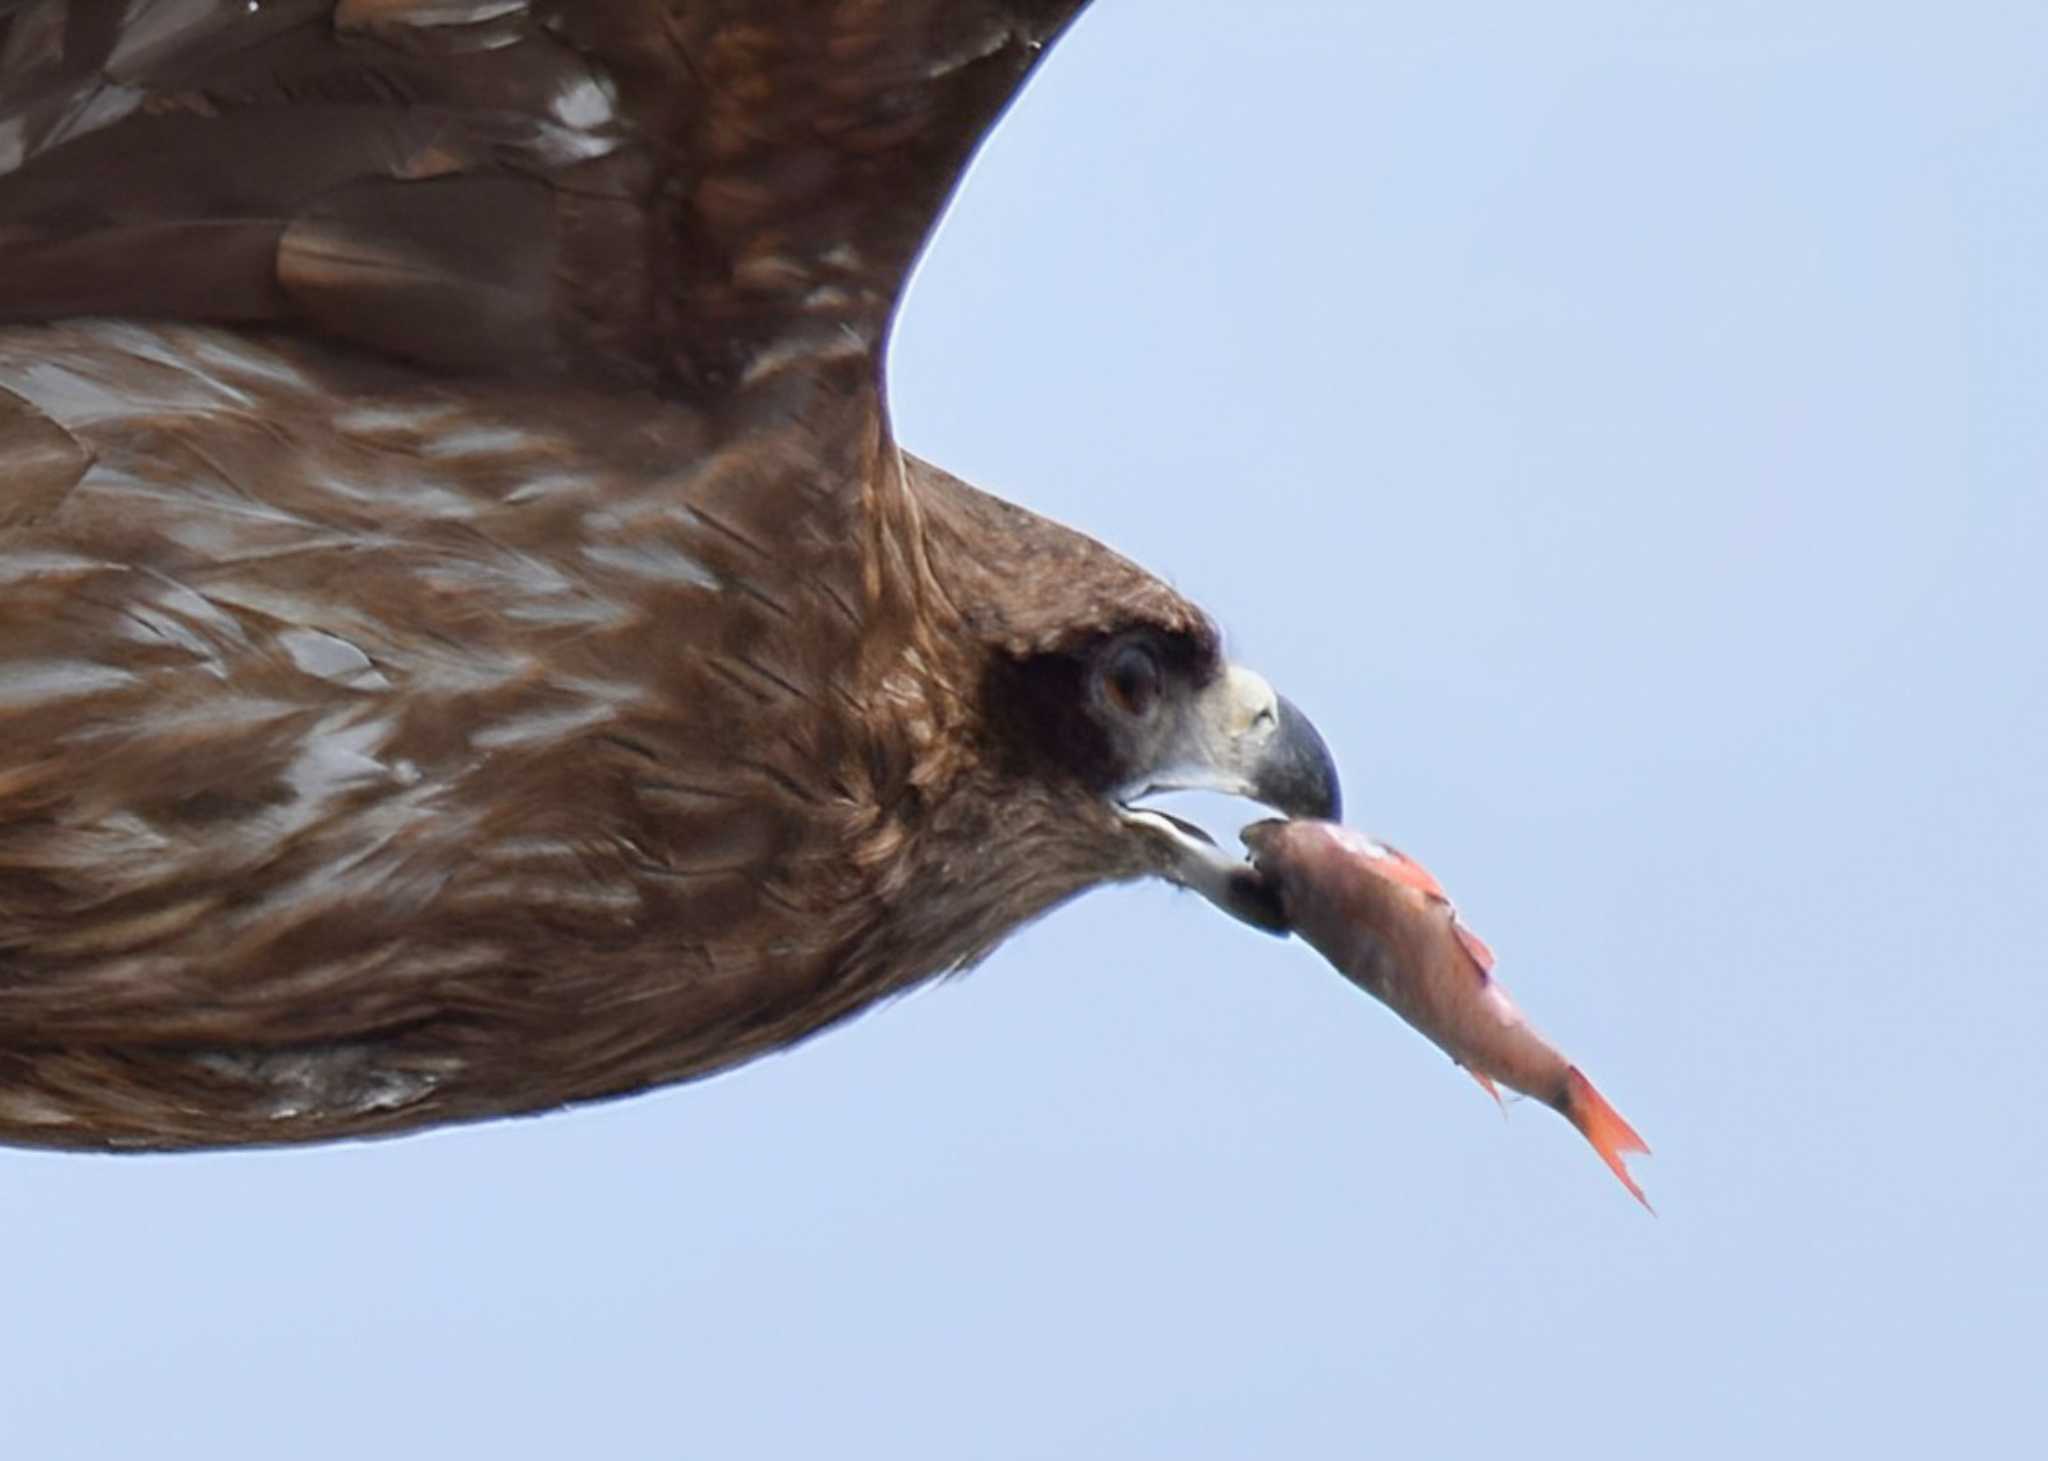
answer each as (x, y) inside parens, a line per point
(469, 641)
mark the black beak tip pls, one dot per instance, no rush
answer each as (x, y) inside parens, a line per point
(1300, 776)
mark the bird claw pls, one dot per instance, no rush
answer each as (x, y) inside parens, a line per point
(1194, 861)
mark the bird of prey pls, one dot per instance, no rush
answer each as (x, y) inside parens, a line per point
(469, 640)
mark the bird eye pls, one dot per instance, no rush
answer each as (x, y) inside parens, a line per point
(1131, 677)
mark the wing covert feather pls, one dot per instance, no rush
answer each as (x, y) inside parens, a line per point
(678, 194)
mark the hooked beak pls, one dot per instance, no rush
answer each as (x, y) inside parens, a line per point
(1295, 774)
(1240, 738)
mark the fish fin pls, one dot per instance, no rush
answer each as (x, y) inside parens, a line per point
(1396, 866)
(1603, 1126)
(1486, 1084)
(1475, 946)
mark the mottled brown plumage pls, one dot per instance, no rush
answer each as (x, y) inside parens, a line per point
(468, 640)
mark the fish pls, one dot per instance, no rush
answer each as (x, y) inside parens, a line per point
(1386, 924)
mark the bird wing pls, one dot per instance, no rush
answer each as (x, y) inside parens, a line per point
(447, 600)
(686, 195)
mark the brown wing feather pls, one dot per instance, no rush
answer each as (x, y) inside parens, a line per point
(336, 709)
(686, 193)
(452, 631)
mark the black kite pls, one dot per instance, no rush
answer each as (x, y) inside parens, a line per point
(468, 640)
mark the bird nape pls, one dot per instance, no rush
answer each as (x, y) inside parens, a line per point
(469, 641)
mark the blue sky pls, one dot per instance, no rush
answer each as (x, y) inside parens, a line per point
(1624, 428)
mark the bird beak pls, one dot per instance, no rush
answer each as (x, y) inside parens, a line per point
(1294, 773)
(1240, 738)
(1243, 739)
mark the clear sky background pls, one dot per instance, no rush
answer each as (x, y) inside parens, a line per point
(1624, 428)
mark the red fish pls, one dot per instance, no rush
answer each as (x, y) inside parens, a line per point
(1385, 922)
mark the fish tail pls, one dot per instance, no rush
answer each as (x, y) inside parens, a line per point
(1603, 1126)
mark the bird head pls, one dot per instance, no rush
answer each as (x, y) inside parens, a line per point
(1099, 686)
